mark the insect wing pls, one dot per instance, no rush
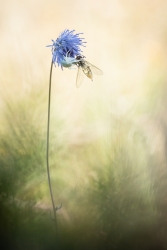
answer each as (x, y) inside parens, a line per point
(87, 71)
(80, 77)
(94, 69)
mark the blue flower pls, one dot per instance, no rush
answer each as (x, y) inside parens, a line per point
(67, 45)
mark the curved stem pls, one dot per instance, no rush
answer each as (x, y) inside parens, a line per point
(47, 149)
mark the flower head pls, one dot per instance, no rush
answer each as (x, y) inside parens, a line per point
(66, 45)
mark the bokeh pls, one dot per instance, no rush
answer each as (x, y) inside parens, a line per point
(108, 139)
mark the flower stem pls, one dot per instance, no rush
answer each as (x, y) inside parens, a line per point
(47, 152)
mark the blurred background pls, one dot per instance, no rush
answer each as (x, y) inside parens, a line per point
(108, 139)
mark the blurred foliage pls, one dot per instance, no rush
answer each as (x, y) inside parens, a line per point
(111, 185)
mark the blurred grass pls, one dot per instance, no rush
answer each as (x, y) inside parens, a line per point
(107, 179)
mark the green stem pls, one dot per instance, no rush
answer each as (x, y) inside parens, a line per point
(47, 151)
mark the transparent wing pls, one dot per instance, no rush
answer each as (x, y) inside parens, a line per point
(94, 69)
(80, 77)
(88, 72)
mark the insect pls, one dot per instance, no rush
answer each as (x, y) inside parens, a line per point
(87, 68)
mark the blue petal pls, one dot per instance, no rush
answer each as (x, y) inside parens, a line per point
(67, 42)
